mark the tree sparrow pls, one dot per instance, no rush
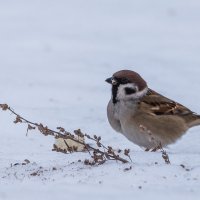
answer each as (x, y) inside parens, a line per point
(145, 117)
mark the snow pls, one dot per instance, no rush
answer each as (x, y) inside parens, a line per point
(54, 58)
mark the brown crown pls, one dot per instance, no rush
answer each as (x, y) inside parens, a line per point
(132, 77)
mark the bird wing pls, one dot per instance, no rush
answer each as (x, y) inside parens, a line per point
(160, 105)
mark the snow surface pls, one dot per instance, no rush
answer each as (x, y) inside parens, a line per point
(54, 58)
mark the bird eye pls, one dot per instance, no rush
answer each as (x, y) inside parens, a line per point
(114, 81)
(129, 90)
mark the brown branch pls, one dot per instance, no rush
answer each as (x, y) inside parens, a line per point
(158, 146)
(165, 155)
(99, 153)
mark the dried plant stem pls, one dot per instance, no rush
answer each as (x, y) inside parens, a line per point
(158, 145)
(165, 155)
(99, 153)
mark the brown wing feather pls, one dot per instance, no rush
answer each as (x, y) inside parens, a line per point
(161, 105)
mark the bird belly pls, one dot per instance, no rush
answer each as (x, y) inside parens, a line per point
(154, 134)
(138, 137)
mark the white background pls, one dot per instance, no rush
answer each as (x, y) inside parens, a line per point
(54, 58)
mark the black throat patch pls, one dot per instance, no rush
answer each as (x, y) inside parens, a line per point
(114, 93)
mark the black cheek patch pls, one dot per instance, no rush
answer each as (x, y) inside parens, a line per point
(130, 91)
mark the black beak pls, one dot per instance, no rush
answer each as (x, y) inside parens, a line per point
(109, 80)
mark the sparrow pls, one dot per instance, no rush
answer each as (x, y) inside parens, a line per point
(144, 116)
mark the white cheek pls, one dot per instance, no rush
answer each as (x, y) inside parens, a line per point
(140, 93)
(121, 95)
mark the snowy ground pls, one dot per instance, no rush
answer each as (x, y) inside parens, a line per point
(54, 58)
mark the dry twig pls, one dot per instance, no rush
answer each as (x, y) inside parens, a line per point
(158, 145)
(98, 152)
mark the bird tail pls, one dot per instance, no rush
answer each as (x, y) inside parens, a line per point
(195, 121)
